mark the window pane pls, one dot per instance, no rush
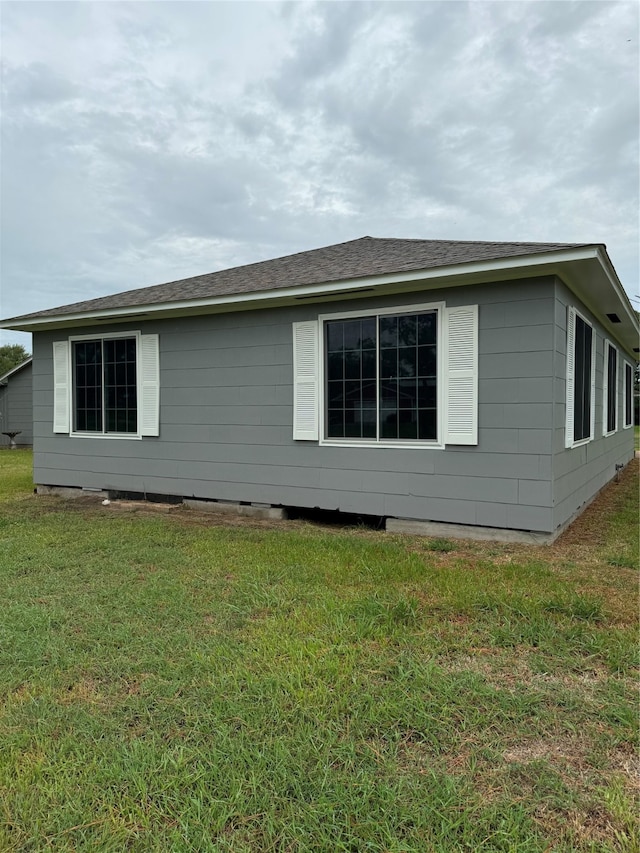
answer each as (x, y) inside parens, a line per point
(389, 394)
(407, 424)
(369, 333)
(582, 380)
(388, 423)
(407, 357)
(335, 423)
(350, 367)
(588, 343)
(628, 395)
(105, 375)
(336, 395)
(388, 363)
(369, 423)
(352, 395)
(407, 331)
(120, 392)
(352, 360)
(335, 337)
(612, 362)
(369, 364)
(87, 391)
(394, 383)
(427, 361)
(335, 365)
(407, 394)
(427, 328)
(353, 424)
(427, 393)
(388, 332)
(94, 421)
(369, 395)
(427, 424)
(352, 334)
(414, 365)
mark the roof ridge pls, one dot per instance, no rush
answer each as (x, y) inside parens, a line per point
(475, 242)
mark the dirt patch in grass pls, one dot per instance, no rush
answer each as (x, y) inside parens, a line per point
(553, 750)
(580, 827)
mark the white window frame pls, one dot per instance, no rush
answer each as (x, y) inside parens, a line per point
(438, 444)
(570, 378)
(108, 435)
(626, 364)
(605, 389)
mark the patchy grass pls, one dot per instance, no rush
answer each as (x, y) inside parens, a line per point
(16, 478)
(171, 682)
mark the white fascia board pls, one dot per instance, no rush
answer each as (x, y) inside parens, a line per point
(257, 299)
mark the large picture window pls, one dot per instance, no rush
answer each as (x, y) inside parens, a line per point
(105, 389)
(401, 377)
(381, 377)
(580, 379)
(610, 389)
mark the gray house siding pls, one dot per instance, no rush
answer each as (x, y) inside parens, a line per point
(16, 407)
(580, 472)
(226, 409)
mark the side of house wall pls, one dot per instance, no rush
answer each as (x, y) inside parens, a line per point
(226, 420)
(16, 407)
(580, 472)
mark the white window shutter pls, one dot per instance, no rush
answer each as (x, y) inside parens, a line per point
(570, 382)
(461, 375)
(61, 386)
(305, 381)
(149, 366)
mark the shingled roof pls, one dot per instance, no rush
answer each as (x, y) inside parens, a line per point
(355, 259)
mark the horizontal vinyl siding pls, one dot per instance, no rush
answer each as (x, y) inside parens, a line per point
(226, 421)
(16, 407)
(580, 472)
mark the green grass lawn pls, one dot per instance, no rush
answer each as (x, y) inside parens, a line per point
(173, 683)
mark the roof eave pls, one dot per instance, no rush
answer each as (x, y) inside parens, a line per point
(568, 264)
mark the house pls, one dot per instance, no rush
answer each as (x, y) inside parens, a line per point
(16, 406)
(481, 386)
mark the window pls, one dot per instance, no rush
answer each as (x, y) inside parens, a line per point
(396, 377)
(610, 389)
(580, 401)
(628, 395)
(381, 377)
(107, 386)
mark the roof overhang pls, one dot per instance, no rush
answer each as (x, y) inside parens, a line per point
(586, 271)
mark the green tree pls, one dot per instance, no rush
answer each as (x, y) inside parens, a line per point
(11, 356)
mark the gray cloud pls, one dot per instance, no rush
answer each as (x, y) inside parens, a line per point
(145, 142)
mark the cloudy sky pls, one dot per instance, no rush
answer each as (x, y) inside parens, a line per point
(144, 142)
